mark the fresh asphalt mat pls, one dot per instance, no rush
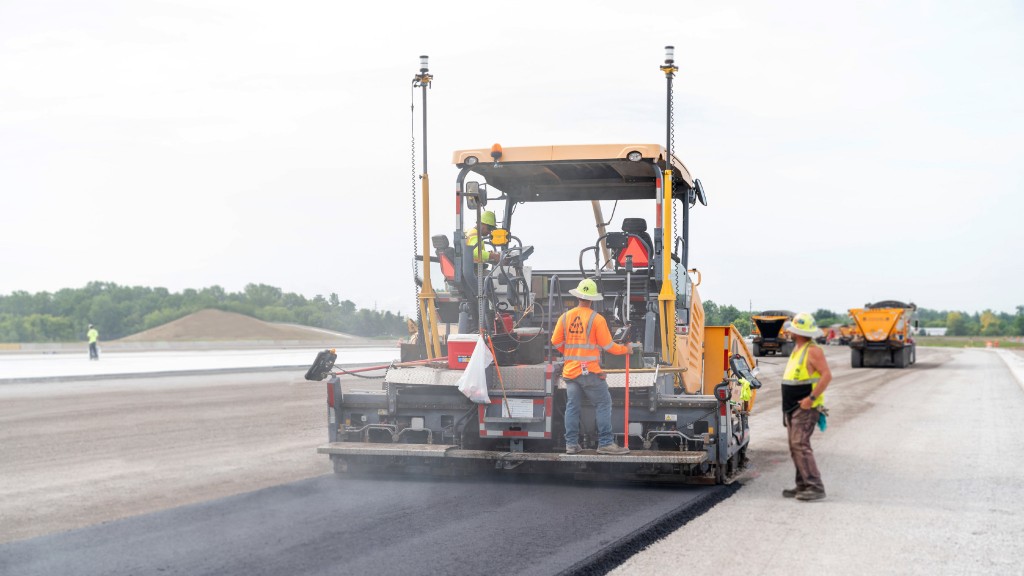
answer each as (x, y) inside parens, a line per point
(382, 526)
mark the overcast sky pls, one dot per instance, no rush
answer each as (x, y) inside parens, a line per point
(851, 152)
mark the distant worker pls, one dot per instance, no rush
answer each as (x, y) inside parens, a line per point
(580, 335)
(481, 253)
(804, 382)
(94, 335)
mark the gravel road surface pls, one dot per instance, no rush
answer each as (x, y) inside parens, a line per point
(79, 453)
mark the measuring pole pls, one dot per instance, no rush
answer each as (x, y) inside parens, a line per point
(629, 353)
(428, 310)
(667, 296)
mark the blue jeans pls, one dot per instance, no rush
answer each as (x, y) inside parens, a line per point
(596, 390)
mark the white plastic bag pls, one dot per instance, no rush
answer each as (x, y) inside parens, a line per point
(473, 382)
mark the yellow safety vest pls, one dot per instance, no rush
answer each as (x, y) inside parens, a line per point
(796, 372)
(93, 336)
(480, 253)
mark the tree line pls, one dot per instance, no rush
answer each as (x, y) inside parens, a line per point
(119, 311)
(957, 323)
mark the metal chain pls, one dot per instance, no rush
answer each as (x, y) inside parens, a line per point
(415, 239)
(347, 373)
(675, 213)
(341, 371)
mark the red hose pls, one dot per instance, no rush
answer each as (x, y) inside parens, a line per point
(625, 436)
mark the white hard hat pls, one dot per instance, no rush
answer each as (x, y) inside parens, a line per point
(803, 324)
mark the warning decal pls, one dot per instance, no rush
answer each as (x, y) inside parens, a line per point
(576, 326)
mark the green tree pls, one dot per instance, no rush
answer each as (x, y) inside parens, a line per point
(262, 295)
(715, 315)
(826, 318)
(822, 314)
(162, 316)
(956, 324)
(991, 325)
(711, 313)
(104, 313)
(276, 314)
(744, 324)
(122, 310)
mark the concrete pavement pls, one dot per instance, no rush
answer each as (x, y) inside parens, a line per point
(41, 367)
(923, 474)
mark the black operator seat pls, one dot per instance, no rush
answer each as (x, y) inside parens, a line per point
(641, 252)
(445, 256)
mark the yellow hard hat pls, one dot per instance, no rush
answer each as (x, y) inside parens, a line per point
(488, 218)
(803, 324)
(587, 290)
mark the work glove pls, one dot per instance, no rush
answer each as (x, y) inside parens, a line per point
(745, 394)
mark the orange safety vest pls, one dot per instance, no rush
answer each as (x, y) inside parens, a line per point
(580, 335)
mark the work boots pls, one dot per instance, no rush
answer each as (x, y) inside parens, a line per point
(810, 494)
(612, 449)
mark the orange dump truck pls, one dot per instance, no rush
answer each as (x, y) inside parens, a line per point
(838, 334)
(882, 335)
(770, 336)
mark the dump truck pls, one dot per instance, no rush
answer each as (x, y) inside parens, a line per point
(882, 335)
(770, 335)
(838, 334)
(680, 401)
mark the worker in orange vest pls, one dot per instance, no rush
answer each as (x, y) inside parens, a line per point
(580, 335)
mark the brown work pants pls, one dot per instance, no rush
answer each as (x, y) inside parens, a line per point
(801, 426)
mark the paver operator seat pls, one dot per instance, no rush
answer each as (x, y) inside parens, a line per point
(641, 251)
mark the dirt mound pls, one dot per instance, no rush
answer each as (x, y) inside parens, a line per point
(210, 324)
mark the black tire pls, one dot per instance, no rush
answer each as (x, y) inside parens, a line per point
(757, 349)
(899, 358)
(913, 354)
(856, 358)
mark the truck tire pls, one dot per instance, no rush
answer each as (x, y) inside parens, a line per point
(899, 358)
(913, 354)
(856, 358)
(757, 350)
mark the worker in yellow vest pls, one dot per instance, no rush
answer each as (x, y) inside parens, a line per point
(480, 252)
(93, 335)
(804, 382)
(580, 335)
